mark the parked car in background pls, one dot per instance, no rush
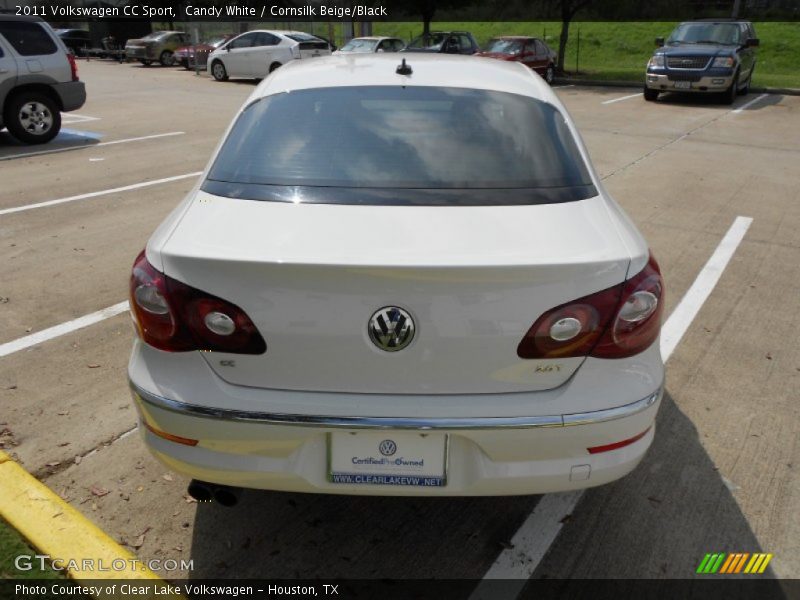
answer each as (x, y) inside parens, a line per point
(530, 51)
(331, 45)
(256, 54)
(38, 79)
(286, 342)
(362, 45)
(185, 55)
(157, 46)
(448, 42)
(77, 40)
(717, 56)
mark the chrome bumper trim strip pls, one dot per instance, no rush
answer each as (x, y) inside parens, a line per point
(417, 423)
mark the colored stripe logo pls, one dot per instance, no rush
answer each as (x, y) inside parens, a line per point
(734, 563)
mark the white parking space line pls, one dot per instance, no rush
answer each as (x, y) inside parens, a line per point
(683, 314)
(72, 118)
(61, 329)
(749, 104)
(535, 536)
(638, 94)
(125, 188)
(111, 143)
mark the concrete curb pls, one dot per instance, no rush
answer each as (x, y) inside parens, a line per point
(58, 530)
(638, 86)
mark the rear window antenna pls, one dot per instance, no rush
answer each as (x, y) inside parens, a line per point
(403, 68)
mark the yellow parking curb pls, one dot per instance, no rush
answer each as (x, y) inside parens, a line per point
(58, 530)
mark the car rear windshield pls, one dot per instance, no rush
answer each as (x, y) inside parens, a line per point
(402, 138)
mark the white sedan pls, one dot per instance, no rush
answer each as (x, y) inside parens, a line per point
(398, 278)
(256, 54)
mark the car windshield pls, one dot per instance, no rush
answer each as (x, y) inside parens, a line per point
(392, 137)
(156, 35)
(706, 33)
(504, 46)
(433, 41)
(360, 45)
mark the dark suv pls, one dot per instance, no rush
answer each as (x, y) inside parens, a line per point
(704, 56)
(38, 79)
(449, 42)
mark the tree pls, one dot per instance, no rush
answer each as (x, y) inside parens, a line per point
(568, 10)
(427, 9)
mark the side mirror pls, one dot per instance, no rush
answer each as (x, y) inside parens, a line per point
(752, 42)
(380, 50)
(659, 41)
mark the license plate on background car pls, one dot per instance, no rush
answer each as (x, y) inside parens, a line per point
(683, 85)
(388, 458)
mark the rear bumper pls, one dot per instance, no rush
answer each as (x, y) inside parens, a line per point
(711, 83)
(72, 94)
(279, 449)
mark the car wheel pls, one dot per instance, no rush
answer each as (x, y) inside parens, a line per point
(550, 74)
(729, 95)
(650, 95)
(274, 66)
(218, 71)
(166, 59)
(32, 118)
(145, 62)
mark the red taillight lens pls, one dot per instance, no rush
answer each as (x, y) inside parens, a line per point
(73, 65)
(173, 316)
(614, 323)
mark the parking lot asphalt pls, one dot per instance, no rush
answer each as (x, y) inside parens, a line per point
(722, 474)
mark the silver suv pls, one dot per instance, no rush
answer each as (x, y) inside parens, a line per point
(38, 79)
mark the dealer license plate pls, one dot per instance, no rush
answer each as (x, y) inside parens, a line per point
(388, 458)
(683, 85)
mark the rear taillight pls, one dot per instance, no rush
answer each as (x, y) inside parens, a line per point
(173, 316)
(614, 323)
(73, 65)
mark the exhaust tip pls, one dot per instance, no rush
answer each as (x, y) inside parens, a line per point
(200, 491)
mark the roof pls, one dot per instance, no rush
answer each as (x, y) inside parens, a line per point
(514, 37)
(376, 69)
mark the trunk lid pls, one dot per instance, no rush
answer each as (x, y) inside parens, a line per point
(474, 279)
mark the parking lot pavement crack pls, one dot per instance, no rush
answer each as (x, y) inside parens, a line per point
(51, 469)
(666, 145)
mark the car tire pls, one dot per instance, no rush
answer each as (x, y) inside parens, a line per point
(274, 66)
(32, 118)
(145, 62)
(650, 95)
(218, 71)
(167, 59)
(550, 74)
(729, 95)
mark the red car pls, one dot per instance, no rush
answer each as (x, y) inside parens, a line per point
(185, 55)
(530, 51)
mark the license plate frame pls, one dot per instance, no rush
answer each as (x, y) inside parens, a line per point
(683, 85)
(345, 447)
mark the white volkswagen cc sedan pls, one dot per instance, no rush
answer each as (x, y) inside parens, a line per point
(398, 279)
(256, 54)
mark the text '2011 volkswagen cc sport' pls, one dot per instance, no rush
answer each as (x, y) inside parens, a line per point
(398, 279)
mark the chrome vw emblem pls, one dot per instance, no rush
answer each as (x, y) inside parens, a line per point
(387, 447)
(391, 328)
